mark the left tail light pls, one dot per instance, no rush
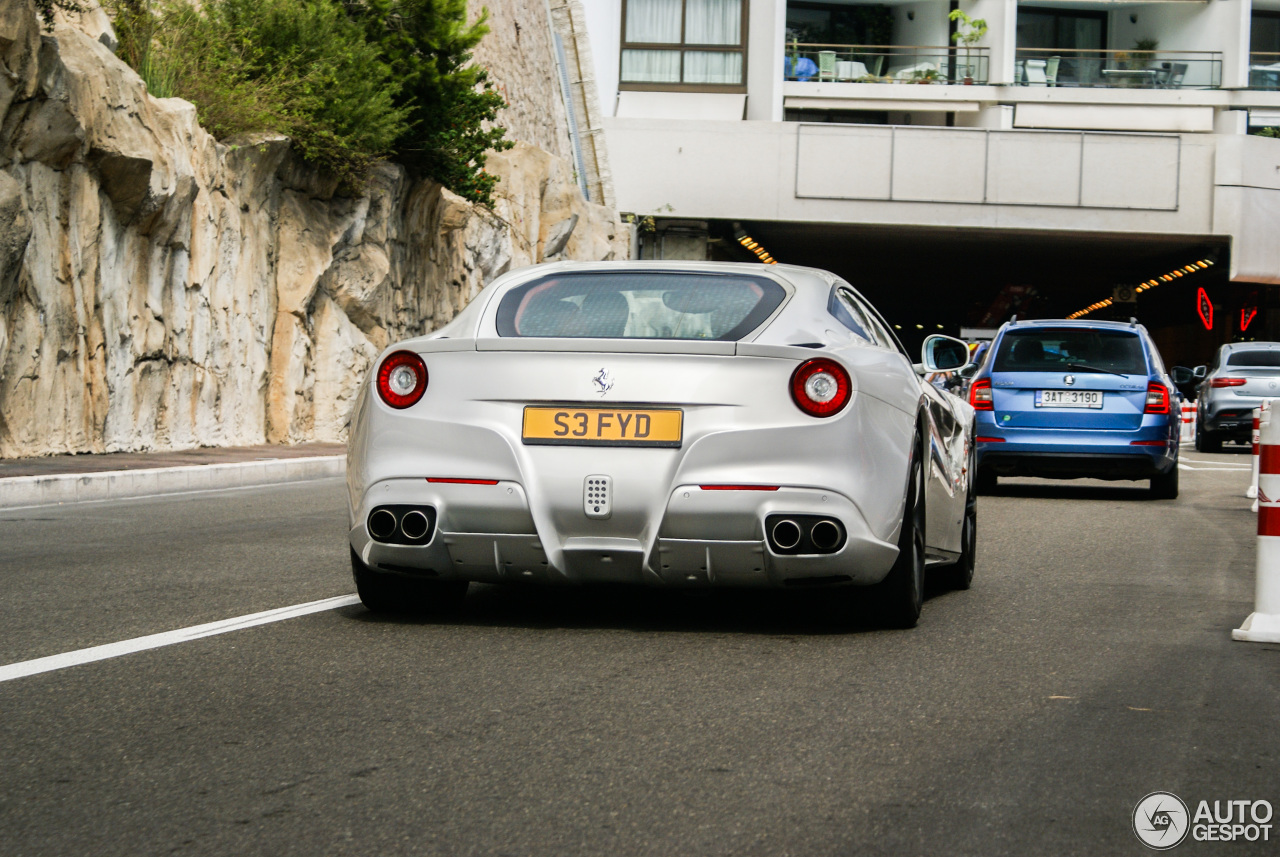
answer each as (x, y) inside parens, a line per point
(820, 387)
(402, 379)
(1157, 399)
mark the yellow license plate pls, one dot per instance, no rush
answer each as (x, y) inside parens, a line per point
(604, 426)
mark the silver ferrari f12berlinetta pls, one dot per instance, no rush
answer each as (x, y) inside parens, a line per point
(682, 424)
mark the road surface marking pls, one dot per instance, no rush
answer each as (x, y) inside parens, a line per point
(1225, 469)
(23, 669)
(1245, 464)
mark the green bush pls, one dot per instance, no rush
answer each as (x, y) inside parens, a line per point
(350, 82)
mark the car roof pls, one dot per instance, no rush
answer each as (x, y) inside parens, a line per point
(1234, 346)
(1083, 324)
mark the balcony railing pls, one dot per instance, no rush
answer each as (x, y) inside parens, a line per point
(886, 63)
(1264, 70)
(1124, 69)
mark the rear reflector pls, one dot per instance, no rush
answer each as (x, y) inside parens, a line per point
(1227, 382)
(463, 481)
(738, 487)
(1148, 443)
(989, 439)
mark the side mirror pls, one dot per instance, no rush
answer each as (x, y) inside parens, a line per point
(944, 353)
(1200, 372)
(1181, 375)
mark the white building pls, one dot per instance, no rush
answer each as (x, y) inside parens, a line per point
(1116, 132)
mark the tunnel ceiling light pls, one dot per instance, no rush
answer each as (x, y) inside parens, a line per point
(1193, 268)
(754, 246)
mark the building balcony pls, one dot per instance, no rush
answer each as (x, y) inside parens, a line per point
(1118, 69)
(911, 64)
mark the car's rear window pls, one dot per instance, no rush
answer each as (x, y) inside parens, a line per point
(1260, 357)
(639, 305)
(1075, 349)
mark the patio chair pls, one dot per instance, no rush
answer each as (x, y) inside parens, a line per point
(1035, 72)
(826, 65)
(1177, 71)
(877, 65)
(1051, 70)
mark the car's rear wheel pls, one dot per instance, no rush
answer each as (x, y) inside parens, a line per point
(985, 481)
(1165, 486)
(383, 592)
(1206, 442)
(901, 593)
(960, 575)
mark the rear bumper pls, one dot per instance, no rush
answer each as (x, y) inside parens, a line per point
(707, 538)
(1073, 454)
(1231, 418)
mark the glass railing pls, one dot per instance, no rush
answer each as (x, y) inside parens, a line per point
(1123, 69)
(1264, 70)
(886, 63)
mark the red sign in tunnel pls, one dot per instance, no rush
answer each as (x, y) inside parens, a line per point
(1205, 308)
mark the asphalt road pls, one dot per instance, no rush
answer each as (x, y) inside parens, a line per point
(1090, 664)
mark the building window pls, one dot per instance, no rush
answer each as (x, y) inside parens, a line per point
(684, 44)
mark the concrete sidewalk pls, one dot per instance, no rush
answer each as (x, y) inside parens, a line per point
(117, 475)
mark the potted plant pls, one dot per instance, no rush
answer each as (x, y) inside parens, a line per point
(969, 31)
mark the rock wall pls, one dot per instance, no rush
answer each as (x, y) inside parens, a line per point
(160, 289)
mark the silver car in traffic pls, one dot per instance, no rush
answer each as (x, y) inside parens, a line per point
(680, 424)
(1241, 375)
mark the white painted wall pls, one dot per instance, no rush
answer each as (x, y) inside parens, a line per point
(1247, 205)
(766, 30)
(604, 27)
(777, 169)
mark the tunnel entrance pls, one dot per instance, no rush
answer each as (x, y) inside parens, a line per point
(934, 280)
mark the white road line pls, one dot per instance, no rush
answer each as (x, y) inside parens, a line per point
(22, 669)
(1224, 469)
(1223, 464)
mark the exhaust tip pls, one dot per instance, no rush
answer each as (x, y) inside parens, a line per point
(786, 534)
(382, 524)
(826, 534)
(414, 525)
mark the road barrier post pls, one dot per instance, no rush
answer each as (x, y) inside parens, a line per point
(1188, 422)
(1252, 492)
(1263, 624)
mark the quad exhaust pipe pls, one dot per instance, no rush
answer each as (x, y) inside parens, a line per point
(402, 525)
(786, 534)
(826, 535)
(804, 534)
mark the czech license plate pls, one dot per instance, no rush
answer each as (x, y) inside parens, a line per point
(1068, 399)
(604, 426)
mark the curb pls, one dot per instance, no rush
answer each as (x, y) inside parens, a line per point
(20, 491)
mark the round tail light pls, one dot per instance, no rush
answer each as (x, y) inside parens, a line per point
(820, 387)
(402, 379)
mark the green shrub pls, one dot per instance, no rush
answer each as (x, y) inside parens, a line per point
(451, 105)
(350, 81)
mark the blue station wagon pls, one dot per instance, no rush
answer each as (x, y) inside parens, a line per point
(1073, 399)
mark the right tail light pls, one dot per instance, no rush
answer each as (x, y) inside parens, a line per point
(821, 387)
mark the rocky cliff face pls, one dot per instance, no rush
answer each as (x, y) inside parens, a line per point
(160, 289)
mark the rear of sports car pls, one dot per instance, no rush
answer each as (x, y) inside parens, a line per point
(573, 429)
(1063, 400)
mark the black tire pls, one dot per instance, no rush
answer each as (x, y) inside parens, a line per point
(1206, 442)
(960, 575)
(985, 481)
(901, 593)
(1165, 486)
(384, 592)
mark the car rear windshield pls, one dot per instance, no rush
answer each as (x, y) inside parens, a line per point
(1074, 349)
(639, 305)
(1268, 358)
